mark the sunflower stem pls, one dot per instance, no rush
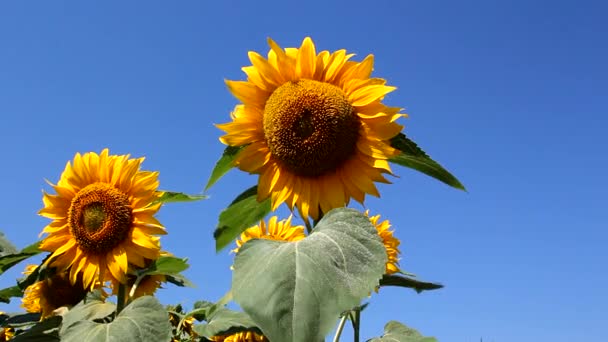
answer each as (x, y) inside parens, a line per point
(120, 302)
(308, 226)
(340, 328)
(355, 316)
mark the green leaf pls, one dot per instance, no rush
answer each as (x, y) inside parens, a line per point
(170, 267)
(22, 319)
(295, 291)
(10, 260)
(144, 319)
(171, 197)
(6, 247)
(397, 332)
(241, 214)
(10, 292)
(401, 281)
(45, 331)
(226, 322)
(223, 165)
(88, 310)
(415, 158)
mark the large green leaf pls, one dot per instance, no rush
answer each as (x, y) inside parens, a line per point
(225, 322)
(45, 331)
(6, 247)
(241, 214)
(401, 281)
(10, 292)
(144, 319)
(170, 197)
(415, 158)
(397, 332)
(295, 291)
(10, 260)
(223, 165)
(89, 309)
(169, 266)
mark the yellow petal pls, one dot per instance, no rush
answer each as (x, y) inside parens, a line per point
(306, 59)
(269, 73)
(367, 95)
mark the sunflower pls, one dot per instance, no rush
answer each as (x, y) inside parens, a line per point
(314, 127)
(187, 327)
(103, 218)
(6, 334)
(278, 231)
(245, 336)
(391, 243)
(146, 287)
(50, 294)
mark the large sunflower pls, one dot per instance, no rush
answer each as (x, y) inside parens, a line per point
(103, 218)
(391, 243)
(315, 128)
(245, 336)
(274, 230)
(50, 294)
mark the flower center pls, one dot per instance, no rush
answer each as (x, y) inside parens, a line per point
(310, 127)
(100, 218)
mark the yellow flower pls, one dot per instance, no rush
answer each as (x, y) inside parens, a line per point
(6, 334)
(187, 327)
(146, 287)
(103, 218)
(278, 231)
(391, 243)
(245, 336)
(47, 295)
(315, 128)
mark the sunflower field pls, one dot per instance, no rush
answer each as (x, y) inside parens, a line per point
(312, 128)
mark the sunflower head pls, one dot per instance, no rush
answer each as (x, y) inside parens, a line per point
(6, 333)
(187, 327)
(102, 218)
(391, 243)
(46, 296)
(274, 230)
(245, 336)
(315, 127)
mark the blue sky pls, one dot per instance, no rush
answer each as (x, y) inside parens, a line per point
(508, 95)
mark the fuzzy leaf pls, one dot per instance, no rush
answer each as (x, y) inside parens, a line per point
(89, 309)
(10, 292)
(244, 212)
(401, 281)
(10, 260)
(223, 165)
(397, 332)
(144, 319)
(45, 331)
(225, 322)
(295, 291)
(171, 267)
(6, 247)
(172, 197)
(415, 158)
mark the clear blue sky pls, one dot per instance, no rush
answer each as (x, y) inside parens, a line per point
(508, 95)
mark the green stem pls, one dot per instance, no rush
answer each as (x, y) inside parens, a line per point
(340, 328)
(122, 291)
(308, 226)
(355, 316)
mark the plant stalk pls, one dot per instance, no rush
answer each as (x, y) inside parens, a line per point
(121, 298)
(340, 328)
